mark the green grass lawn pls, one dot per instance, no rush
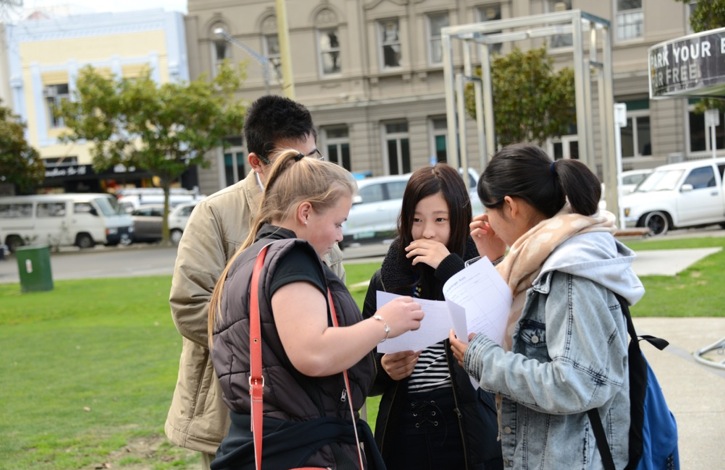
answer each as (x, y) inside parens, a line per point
(87, 370)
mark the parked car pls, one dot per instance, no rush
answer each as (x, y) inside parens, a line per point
(82, 219)
(631, 179)
(131, 199)
(679, 195)
(375, 209)
(147, 222)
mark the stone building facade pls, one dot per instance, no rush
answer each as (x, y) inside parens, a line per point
(371, 72)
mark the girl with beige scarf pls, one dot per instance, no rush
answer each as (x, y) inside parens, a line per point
(565, 350)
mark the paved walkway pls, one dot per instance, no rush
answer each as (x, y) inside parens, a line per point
(668, 262)
(695, 393)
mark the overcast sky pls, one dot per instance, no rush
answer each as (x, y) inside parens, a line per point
(89, 6)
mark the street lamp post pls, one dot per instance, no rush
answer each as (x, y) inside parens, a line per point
(262, 59)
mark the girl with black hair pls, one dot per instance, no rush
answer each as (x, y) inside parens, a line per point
(430, 415)
(565, 351)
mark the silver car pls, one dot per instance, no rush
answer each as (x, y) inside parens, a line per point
(147, 222)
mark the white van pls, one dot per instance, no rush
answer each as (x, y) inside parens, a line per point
(64, 220)
(679, 195)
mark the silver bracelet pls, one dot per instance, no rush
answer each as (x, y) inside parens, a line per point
(385, 325)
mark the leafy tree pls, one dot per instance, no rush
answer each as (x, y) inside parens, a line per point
(531, 101)
(164, 129)
(707, 15)
(20, 164)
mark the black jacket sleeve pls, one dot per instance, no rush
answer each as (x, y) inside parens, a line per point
(450, 265)
(370, 306)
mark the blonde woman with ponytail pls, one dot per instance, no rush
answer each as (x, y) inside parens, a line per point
(304, 205)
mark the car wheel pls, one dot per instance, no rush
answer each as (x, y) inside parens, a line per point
(14, 242)
(657, 222)
(84, 241)
(175, 236)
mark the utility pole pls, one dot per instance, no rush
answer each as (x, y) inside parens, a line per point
(288, 85)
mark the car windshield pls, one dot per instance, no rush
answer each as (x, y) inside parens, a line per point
(108, 206)
(661, 180)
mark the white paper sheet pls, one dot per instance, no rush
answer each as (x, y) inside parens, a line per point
(477, 301)
(434, 328)
(484, 295)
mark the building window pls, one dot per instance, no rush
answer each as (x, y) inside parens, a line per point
(271, 49)
(390, 42)
(636, 140)
(54, 96)
(329, 43)
(397, 148)
(337, 146)
(630, 19)
(690, 9)
(700, 138)
(435, 23)
(219, 48)
(58, 161)
(560, 40)
(491, 12)
(234, 158)
(439, 134)
(233, 166)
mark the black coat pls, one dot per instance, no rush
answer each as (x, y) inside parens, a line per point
(477, 408)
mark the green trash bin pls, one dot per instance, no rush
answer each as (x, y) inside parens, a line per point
(34, 268)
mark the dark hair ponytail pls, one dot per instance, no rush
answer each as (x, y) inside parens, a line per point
(527, 172)
(582, 187)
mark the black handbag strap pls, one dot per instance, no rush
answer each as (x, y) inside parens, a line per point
(638, 369)
(602, 445)
(594, 418)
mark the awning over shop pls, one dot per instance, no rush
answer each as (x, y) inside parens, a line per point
(692, 65)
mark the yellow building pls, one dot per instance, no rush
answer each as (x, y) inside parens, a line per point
(44, 59)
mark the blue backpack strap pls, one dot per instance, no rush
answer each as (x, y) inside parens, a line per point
(638, 373)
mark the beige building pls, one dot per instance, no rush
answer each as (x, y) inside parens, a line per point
(371, 72)
(44, 58)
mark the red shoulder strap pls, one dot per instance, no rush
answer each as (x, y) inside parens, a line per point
(256, 380)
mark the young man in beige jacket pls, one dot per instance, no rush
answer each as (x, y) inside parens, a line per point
(198, 418)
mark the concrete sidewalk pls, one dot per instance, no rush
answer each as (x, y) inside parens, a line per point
(668, 262)
(695, 392)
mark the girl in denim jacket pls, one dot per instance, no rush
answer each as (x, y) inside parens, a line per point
(565, 351)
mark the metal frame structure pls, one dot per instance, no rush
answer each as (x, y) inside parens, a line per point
(592, 59)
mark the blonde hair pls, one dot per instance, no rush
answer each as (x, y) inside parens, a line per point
(293, 179)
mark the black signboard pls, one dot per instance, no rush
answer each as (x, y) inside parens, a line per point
(692, 65)
(71, 172)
